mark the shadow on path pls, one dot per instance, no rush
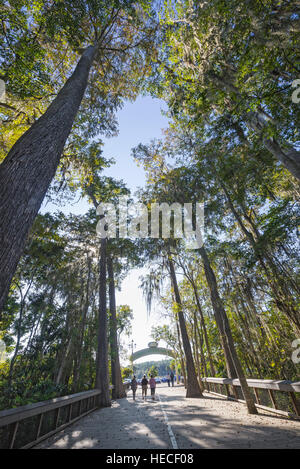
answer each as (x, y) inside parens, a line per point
(208, 422)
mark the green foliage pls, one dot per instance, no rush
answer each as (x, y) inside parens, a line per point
(153, 371)
(126, 373)
(225, 71)
(157, 368)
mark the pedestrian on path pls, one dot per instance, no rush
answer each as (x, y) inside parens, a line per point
(144, 387)
(133, 386)
(152, 383)
(168, 379)
(172, 378)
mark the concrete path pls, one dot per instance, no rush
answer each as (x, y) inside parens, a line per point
(176, 422)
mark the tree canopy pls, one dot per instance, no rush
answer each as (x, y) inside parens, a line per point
(226, 72)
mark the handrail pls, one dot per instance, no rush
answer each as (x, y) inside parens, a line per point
(13, 418)
(289, 387)
(23, 412)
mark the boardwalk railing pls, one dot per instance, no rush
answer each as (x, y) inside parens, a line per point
(27, 425)
(280, 397)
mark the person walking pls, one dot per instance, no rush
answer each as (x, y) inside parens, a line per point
(133, 386)
(172, 378)
(152, 383)
(144, 387)
(168, 379)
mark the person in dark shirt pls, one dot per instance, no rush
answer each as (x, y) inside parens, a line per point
(133, 385)
(144, 387)
(172, 378)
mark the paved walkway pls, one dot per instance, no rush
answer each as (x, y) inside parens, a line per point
(176, 422)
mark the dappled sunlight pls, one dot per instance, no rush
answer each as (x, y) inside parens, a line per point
(209, 422)
(149, 207)
(75, 440)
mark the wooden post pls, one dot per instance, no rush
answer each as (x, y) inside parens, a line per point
(256, 395)
(40, 426)
(70, 412)
(12, 418)
(227, 390)
(12, 442)
(235, 392)
(272, 397)
(295, 403)
(57, 417)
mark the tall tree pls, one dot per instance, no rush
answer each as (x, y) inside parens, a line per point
(192, 385)
(102, 373)
(29, 167)
(225, 330)
(234, 63)
(118, 391)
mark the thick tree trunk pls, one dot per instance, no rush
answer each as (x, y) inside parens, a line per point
(193, 388)
(224, 328)
(118, 391)
(29, 167)
(102, 374)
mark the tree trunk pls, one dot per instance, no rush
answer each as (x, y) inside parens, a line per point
(181, 359)
(102, 374)
(64, 349)
(195, 347)
(224, 328)
(59, 377)
(19, 329)
(29, 167)
(19, 333)
(199, 346)
(118, 391)
(82, 326)
(211, 363)
(256, 120)
(193, 388)
(282, 297)
(290, 158)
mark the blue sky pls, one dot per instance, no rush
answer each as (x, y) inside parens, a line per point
(139, 122)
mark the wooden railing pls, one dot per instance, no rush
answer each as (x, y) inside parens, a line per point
(27, 425)
(277, 393)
